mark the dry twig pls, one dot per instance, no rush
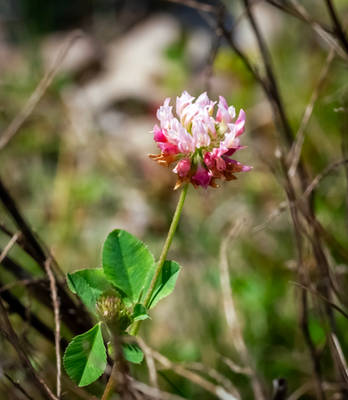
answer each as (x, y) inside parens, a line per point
(40, 90)
(217, 390)
(230, 310)
(55, 303)
(7, 330)
(295, 151)
(149, 362)
(18, 386)
(9, 245)
(297, 10)
(337, 25)
(154, 393)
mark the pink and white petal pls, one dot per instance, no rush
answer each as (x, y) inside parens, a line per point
(159, 134)
(220, 164)
(223, 102)
(183, 167)
(209, 160)
(164, 114)
(200, 134)
(168, 148)
(183, 101)
(190, 112)
(203, 100)
(240, 123)
(232, 112)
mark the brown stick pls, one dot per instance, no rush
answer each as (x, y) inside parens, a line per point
(9, 246)
(7, 330)
(40, 90)
(55, 303)
(81, 320)
(295, 151)
(18, 386)
(337, 25)
(231, 313)
(216, 390)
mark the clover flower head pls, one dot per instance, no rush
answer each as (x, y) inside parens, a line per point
(197, 141)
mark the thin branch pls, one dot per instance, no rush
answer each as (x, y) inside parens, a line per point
(9, 246)
(283, 206)
(214, 375)
(23, 282)
(337, 25)
(322, 297)
(297, 11)
(154, 392)
(315, 182)
(75, 314)
(324, 32)
(298, 233)
(295, 151)
(35, 248)
(230, 310)
(209, 67)
(340, 355)
(15, 306)
(237, 369)
(216, 390)
(247, 63)
(55, 303)
(273, 86)
(18, 386)
(7, 330)
(149, 362)
(299, 392)
(40, 90)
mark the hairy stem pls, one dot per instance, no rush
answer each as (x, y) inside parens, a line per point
(163, 256)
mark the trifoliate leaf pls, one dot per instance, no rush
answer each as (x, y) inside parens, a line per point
(127, 263)
(88, 284)
(85, 357)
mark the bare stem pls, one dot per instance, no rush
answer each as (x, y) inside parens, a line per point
(111, 383)
(163, 256)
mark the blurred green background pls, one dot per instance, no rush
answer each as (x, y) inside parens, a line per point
(79, 168)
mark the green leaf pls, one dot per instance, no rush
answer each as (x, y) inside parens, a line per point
(132, 353)
(166, 282)
(127, 263)
(140, 313)
(85, 357)
(88, 284)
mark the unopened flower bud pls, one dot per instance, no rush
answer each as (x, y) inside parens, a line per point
(113, 312)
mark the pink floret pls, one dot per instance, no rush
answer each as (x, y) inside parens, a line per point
(168, 148)
(240, 123)
(158, 134)
(183, 167)
(202, 177)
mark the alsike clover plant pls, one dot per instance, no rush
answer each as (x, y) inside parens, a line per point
(116, 294)
(131, 282)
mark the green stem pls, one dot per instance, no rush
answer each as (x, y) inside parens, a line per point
(135, 328)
